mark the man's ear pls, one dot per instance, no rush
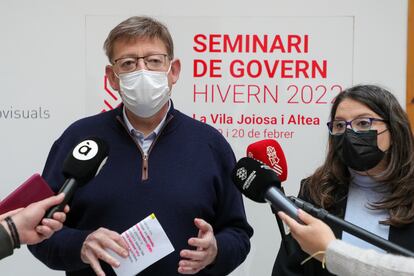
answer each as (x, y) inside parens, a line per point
(113, 79)
(175, 70)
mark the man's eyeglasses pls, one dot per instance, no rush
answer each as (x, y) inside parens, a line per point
(155, 62)
(337, 127)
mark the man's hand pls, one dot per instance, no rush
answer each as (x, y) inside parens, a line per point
(94, 246)
(312, 237)
(10, 213)
(31, 225)
(195, 260)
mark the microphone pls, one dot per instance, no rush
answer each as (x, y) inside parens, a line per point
(263, 151)
(80, 166)
(269, 152)
(260, 183)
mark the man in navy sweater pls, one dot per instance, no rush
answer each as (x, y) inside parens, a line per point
(160, 161)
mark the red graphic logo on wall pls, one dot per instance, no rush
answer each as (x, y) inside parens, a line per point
(112, 99)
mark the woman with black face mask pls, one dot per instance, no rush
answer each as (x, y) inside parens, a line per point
(367, 177)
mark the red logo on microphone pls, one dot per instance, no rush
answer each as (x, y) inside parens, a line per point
(274, 160)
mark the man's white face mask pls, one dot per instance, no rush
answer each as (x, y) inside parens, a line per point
(144, 92)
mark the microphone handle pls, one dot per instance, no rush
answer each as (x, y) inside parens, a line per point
(281, 203)
(68, 189)
(352, 228)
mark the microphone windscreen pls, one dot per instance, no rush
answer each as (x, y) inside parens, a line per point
(269, 152)
(254, 178)
(83, 162)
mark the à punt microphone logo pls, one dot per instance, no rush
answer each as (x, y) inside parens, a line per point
(112, 99)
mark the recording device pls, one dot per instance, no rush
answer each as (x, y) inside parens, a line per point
(80, 166)
(260, 183)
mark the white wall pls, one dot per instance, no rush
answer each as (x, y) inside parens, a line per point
(43, 65)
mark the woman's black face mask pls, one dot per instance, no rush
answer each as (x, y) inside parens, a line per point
(358, 150)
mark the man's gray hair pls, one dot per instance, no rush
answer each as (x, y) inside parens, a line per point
(139, 27)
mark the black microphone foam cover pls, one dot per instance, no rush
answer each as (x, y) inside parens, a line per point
(85, 159)
(254, 178)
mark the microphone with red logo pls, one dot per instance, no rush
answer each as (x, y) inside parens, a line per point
(270, 152)
(260, 183)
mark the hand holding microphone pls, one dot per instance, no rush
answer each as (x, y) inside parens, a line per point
(305, 233)
(80, 166)
(263, 150)
(31, 227)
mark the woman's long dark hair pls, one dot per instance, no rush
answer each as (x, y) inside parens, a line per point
(329, 183)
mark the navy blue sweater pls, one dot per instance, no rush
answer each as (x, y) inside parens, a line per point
(187, 176)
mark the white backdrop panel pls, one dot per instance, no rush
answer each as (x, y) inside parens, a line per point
(53, 67)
